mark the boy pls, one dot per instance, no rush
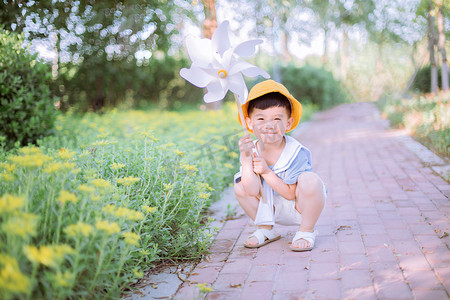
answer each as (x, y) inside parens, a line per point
(292, 193)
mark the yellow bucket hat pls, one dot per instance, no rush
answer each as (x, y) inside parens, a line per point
(270, 86)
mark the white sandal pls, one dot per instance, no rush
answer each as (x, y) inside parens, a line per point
(307, 236)
(264, 236)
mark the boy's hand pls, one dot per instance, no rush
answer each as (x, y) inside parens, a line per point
(259, 165)
(246, 145)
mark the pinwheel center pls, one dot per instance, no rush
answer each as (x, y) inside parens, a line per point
(222, 73)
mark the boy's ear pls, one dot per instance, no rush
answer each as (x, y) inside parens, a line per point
(289, 123)
(249, 123)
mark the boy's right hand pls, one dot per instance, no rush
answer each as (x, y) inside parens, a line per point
(246, 146)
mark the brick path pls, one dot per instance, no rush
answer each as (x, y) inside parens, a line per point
(381, 235)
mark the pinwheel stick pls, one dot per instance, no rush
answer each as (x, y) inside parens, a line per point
(245, 128)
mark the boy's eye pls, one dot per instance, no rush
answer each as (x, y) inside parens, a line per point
(277, 119)
(260, 119)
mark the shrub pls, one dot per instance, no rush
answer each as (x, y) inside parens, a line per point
(425, 117)
(313, 85)
(27, 107)
(422, 82)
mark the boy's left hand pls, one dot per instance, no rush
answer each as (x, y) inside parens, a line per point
(259, 165)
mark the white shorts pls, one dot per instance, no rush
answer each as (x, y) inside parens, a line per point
(285, 212)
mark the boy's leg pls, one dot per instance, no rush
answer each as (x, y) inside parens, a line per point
(250, 206)
(309, 202)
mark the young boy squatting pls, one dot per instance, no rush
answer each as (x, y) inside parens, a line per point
(293, 194)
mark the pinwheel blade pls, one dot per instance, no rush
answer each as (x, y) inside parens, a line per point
(196, 76)
(200, 51)
(247, 48)
(215, 92)
(220, 40)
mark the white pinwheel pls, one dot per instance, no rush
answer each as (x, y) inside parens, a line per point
(216, 64)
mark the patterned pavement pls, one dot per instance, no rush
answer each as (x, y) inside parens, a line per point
(383, 233)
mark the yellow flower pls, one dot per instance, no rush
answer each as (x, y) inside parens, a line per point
(131, 238)
(109, 228)
(10, 203)
(110, 208)
(123, 212)
(65, 196)
(44, 255)
(65, 279)
(229, 166)
(78, 229)
(179, 153)
(204, 196)
(23, 225)
(117, 166)
(12, 280)
(137, 273)
(85, 188)
(190, 168)
(204, 288)
(127, 181)
(9, 168)
(102, 183)
(6, 177)
(148, 209)
(53, 167)
(30, 160)
(168, 186)
(233, 154)
(30, 150)
(65, 154)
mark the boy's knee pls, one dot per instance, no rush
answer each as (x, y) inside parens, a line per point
(309, 184)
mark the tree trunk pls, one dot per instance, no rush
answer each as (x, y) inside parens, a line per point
(209, 27)
(431, 44)
(444, 69)
(325, 46)
(344, 54)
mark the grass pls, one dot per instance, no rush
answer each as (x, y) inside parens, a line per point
(426, 117)
(107, 196)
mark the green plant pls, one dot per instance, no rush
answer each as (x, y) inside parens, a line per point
(27, 106)
(422, 82)
(313, 85)
(426, 117)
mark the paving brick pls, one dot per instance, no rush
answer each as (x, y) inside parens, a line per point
(220, 246)
(392, 289)
(430, 294)
(262, 272)
(225, 282)
(291, 281)
(422, 279)
(324, 289)
(354, 262)
(228, 295)
(352, 279)
(238, 265)
(323, 271)
(204, 275)
(352, 248)
(257, 291)
(361, 293)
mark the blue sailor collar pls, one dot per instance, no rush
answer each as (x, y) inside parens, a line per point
(288, 155)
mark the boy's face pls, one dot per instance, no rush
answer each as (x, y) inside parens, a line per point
(269, 125)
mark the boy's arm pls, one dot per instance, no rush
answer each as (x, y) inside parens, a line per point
(283, 189)
(249, 180)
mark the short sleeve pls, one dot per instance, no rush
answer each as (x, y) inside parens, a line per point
(301, 163)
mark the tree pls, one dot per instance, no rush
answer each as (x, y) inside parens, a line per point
(440, 26)
(102, 42)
